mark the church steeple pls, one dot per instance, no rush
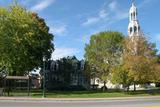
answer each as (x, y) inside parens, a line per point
(133, 27)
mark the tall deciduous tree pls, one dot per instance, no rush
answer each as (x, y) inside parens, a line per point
(24, 40)
(104, 52)
(139, 59)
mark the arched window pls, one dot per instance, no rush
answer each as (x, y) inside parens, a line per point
(55, 67)
(135, 29)
(131, 16)
(130, 30)
(134, 15)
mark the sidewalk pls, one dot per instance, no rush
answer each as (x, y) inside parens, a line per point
(76, 99)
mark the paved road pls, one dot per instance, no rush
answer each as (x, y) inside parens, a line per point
(151, 102)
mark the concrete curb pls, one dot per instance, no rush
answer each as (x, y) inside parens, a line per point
(77, 99)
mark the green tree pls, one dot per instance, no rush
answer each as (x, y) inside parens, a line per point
(121, 76)
(89, 71)
(104, 52)
(66, 68)
(24, 40)
(139, 59)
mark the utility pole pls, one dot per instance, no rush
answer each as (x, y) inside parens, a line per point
(28, 84)
(44, 82)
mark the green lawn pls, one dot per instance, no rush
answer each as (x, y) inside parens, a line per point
(87, 94)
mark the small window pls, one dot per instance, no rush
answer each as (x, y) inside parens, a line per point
(130, 30)
(55, 67)
(135, 29)
(131, 16)
(134, 15)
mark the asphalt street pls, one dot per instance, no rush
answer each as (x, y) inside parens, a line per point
(155, 102)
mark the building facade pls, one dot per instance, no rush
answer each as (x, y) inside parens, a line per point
(66, 73)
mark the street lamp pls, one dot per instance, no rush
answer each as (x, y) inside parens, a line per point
(44, 82)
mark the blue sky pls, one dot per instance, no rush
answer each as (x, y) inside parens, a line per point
(74, 21)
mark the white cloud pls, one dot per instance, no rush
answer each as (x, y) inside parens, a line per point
(112, 12)
(91, 20)
(119, 13)
(113, 5)
(102, 14)
(42, 4)
(59, 30)
(63, 52)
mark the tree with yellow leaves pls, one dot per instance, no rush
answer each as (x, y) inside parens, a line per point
(139, 59)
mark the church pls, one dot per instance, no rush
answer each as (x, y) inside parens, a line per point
(134, 32)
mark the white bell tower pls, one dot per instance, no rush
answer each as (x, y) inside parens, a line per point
(133, 27)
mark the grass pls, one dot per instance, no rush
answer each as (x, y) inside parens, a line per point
(87, 94)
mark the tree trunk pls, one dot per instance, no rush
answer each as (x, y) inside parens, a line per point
(94, 82)
(127, 88)
(104, 86)
(134, 86)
